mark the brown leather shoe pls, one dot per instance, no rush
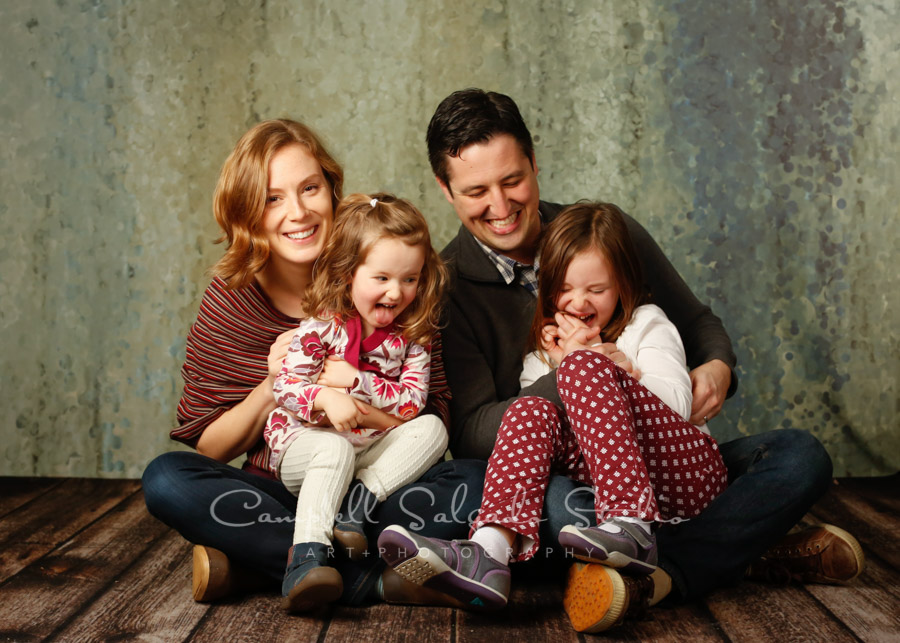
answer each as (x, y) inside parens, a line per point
(399, 591)
(215, 577)
(598, 597)
(212, 577)
(819, 554)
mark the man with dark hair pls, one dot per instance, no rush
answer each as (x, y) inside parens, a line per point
(482, 156)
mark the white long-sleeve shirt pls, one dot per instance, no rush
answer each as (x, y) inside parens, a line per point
(653, 344)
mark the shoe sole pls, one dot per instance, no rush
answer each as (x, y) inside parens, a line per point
(353, 544)
(595, 597)
(320, 586)
(854, 547)
(396, 590)
(592, 552)
(210, 572)
(425, 568)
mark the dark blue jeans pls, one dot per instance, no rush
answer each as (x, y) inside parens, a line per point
(773, 480)
(250, 518)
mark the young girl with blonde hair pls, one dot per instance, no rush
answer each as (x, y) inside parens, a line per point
(374, 303)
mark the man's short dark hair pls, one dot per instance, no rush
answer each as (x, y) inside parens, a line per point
(472, 116)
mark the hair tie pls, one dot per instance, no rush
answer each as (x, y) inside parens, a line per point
(373, 202)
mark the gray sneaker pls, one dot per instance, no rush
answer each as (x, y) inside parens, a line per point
(632, 549)
(458, 568)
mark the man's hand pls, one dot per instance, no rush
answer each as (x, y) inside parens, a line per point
(337, 373)
(709, 384)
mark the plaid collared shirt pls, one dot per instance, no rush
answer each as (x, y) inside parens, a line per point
(513, 271)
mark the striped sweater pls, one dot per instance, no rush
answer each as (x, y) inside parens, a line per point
(227, 357)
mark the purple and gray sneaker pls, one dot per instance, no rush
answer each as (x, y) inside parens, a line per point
(458, 568)
(632, 549)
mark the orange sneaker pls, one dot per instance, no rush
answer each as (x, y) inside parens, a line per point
(598, 597)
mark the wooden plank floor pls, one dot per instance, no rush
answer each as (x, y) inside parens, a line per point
(82, 560)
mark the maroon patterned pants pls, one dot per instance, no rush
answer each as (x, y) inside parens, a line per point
(641, 458)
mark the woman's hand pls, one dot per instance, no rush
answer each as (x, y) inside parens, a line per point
(338, 373)
(709, 384)
(278, 351)
(235, 432)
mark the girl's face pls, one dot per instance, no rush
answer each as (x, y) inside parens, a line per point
(298, 206)
(589, 291)
(386, 282)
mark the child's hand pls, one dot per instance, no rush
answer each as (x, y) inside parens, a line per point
(341, 409)
(578, 339)
(619, 358)
(550, 342)
(575, 335)
(569, 325)
(338, 373)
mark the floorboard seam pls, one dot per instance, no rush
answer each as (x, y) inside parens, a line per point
(834, 618)
(106, 586)
(200, 623)
(324, 632)
(71, 536)
(703, 608)
(28, 502)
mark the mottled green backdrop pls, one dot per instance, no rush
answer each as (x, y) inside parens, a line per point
(758, 141)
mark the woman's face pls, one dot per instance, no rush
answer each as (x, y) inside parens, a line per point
(298, 213)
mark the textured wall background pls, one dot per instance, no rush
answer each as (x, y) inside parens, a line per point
(758, 142)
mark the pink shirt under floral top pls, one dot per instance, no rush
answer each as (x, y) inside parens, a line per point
(393, 377)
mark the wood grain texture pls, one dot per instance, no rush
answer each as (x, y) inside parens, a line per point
(390, 623)
(869, 606)
(259, 617)
(873, 524)
(15, 492)
(759, 612)
(83, 560)
(56, 587)
(151, 599)
(41, 525)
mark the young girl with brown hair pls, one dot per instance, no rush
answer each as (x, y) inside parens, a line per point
(374, 303)
(627, 435)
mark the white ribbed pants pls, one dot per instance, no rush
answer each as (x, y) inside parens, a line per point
(318, 466)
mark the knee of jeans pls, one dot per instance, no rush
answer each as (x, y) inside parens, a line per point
(810, 465)
(568, 502)
(158, 480)
(461, 471)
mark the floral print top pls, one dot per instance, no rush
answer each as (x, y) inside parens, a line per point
(393, 377)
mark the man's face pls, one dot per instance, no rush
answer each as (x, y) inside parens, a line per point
(493, 188)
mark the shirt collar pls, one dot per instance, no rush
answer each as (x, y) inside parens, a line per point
(513, 271)
(510, 269)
